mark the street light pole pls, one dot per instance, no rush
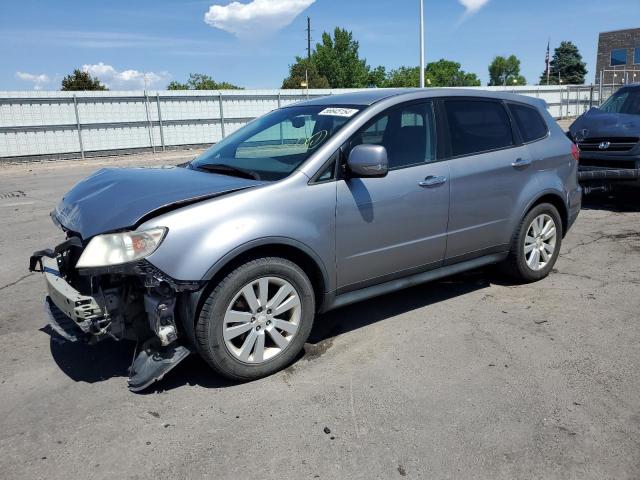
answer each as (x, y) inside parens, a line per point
(421, 43)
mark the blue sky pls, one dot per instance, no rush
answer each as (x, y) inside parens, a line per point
(252, 45)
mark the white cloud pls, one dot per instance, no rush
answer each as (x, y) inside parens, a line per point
(472, 6)
(126, 79)
(256, 18)
(38, 80)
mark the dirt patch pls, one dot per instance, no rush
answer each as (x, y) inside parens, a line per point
(316, 350)
(623, 236)
(14, 194)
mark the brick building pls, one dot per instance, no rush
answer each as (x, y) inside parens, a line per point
(618, 57)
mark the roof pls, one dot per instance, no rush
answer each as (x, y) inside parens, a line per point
(373, 95)
(360, 97)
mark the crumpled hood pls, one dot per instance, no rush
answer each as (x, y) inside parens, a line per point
(117, 198)
(600, 124)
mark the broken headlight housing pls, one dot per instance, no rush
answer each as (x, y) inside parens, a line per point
(118, 248)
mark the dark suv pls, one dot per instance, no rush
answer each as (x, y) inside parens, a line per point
(609, 141)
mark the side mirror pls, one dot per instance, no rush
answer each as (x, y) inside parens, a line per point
(368, 161)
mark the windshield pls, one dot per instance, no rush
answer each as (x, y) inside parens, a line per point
(273, 146)
(625, 101)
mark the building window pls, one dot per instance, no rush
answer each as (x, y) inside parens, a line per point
(636, 56)
(618, 57)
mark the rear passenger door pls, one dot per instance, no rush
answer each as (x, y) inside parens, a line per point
(489, 170)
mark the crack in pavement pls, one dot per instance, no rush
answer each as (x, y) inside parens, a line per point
(17, 281)
(584, 244)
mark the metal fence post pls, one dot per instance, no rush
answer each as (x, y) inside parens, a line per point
(149, 125)
(560, 92)
(600, 90)
(75, 107)
(281, 130)
(221, 115)
(160, 120)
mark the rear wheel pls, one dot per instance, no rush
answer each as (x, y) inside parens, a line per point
(257, 319)
(536, 244)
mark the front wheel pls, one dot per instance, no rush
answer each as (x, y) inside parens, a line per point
(257, 319)
(536, 244)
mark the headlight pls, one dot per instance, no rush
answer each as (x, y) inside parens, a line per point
(118, 248)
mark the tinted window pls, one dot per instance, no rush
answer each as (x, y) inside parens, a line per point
(477, 126)
(530, 123)
(618, 56)
(636, 56)
(408, 134)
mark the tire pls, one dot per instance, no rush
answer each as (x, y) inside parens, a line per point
(519, 265)
(236, 305)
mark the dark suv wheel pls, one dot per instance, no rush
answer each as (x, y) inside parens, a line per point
(257, 319)
(536, 245)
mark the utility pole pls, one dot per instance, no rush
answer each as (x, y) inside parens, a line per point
(308, 38)
(421, 43)
(548, 60)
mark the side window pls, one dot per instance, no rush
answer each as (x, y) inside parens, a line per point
(329, 172)
(530, 123)
(477, 126)
(407, 132)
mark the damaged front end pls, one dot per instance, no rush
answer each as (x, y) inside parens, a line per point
(91, 301)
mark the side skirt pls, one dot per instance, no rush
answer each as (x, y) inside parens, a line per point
(337, 301)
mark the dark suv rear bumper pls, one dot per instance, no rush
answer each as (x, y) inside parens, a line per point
(597, 168)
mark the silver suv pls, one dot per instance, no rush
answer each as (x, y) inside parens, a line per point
(308, 208)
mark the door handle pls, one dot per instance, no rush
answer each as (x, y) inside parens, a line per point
(432, 181)
(521, 162)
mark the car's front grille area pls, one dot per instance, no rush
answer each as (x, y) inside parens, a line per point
(615, 144)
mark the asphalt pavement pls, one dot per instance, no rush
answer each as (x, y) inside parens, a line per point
(468, 377)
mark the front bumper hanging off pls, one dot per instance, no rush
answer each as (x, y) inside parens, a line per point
(86, 318)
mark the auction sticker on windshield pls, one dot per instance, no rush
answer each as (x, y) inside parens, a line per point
(339, 112)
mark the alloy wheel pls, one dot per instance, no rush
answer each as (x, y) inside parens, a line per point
(262, 319)
(540, 242)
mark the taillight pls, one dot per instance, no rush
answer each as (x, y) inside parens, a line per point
(575, 152)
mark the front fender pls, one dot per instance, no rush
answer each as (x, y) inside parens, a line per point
(204, 237)
(269, 241)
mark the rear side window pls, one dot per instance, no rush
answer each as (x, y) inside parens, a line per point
(530, 123)
(477, 126)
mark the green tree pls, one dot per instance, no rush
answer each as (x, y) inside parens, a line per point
(506, 71)
(300, 71)
(201, 81)
(337, 59)
(377, 77)
(403, 77)
(80, 80)
(443, 73)
(566, 65)
(175, 85)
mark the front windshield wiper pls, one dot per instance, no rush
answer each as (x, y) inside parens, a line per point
(228, 170)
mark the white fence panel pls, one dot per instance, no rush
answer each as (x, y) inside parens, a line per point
(95, 123)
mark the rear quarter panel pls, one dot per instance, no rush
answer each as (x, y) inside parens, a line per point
(556, 170)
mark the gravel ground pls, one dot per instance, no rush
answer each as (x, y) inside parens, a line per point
(469, 377)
